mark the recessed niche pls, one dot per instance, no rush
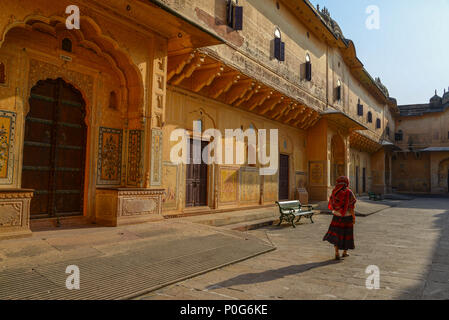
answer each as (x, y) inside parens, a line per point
(2, 73)
(113, 103)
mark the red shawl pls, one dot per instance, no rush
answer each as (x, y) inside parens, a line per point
(342, 197)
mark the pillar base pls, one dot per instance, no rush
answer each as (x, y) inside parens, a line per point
(15, 213)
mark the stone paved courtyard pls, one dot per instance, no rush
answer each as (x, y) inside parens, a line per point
(409, 243)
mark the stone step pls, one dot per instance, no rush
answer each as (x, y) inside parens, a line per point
(234, 217)
(252, 225)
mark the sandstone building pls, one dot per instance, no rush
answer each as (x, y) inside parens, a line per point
(86, 114)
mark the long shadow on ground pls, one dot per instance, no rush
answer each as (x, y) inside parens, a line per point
(270, 275)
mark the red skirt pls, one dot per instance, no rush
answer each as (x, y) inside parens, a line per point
(341, 233)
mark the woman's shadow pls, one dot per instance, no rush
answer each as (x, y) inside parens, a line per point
(270, 275)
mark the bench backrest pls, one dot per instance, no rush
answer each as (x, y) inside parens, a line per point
(283, 205)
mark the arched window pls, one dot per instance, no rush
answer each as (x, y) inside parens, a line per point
(399, 136)
(67, 45)
(370, 117)
(387, 131)
(378, 124)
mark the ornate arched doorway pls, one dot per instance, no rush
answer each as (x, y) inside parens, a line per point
(54, 151)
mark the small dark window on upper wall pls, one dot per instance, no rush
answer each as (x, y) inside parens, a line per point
(279, 46)
(399, 136)
(67, 45)
(308, 68)
(370, 117)
(378, 124)
(234, 15)
(359, 109)
(338, 94)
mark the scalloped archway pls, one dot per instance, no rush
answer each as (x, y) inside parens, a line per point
(91, 37)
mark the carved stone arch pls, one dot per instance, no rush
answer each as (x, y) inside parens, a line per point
(92, 37)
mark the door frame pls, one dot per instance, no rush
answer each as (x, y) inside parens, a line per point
(288, 175)
(190, 138)
(87, 150)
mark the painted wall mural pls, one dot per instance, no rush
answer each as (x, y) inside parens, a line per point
(7, 134)
(228, 185)
(170, 180)
(249, 185)
(156, 157)
(110, 156)
(316, 169)
(271, 191)
(134, 157)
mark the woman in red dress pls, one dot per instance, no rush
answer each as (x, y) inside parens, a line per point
(341, 231)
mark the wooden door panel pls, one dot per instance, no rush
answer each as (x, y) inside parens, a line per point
(39, 204)
(36, 156)
(42, 109)
(54, 152)
(283, 177)
(38, 131)
(68, 203)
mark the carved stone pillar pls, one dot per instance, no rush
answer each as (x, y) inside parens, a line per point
(15, 213)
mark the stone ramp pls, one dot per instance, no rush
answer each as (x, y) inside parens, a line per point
(135, 271)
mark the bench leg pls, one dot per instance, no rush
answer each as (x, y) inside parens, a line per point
(280, 221)
(299, 218)
(311, 218)
(292, 220)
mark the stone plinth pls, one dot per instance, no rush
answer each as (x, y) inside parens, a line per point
(15, 213)
(121, 206)
(302, 195)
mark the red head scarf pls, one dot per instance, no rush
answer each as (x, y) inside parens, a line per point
(342, 197)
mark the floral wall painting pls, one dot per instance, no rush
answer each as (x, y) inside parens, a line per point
(249, 185)
(170, 182)
(156, 157)
(110, 156)
(7, 133)
(271, 192)
(228, 185)
(134, 175)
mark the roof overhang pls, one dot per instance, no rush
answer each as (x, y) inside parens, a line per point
(390, 145)
(343, 120)
(435, 149)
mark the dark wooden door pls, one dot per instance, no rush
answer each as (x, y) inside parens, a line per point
(364, 180)
(283, 177)
(196, 180)
(54, 149)
(357, 175)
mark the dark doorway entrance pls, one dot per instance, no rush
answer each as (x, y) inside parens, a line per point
(364, 180)
(283, 177)
(357, 175)
(55, 149)
(196, 180)
(448, 181)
